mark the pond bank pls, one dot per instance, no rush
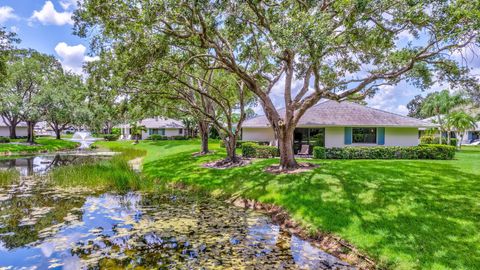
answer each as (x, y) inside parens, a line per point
(44, 145)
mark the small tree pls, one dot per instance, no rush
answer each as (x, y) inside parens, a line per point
(461, 122)
(136, 131)
(439, 105)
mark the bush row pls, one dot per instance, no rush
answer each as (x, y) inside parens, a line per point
(156, 137)
(4, 139)
(428, 139)
(254, 150)
(111, 137)
(426, 151)
(240, 143)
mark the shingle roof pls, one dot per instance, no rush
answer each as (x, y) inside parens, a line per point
(161, 123)
(333, 113)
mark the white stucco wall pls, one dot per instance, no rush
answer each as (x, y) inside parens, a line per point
(5, 132)
(168, 132)
(334, 137)
(401, 136)
(258, 134)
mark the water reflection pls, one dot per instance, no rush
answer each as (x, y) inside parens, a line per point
(31, 165)
(42, 227)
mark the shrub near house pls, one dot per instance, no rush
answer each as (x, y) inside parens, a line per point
(430, 151)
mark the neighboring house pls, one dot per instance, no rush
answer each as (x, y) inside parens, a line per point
(158, 126)
(334, 124)
(468, 137)
(5, 130)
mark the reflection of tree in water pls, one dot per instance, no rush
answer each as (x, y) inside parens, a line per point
(27, 216)
(181, 232)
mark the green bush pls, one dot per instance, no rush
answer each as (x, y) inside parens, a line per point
(254, 150)
(4, 140)
(453, 142)
(157, 137)
(429, 139)
(117, 131)
(179, 137)
(111, 137)
(319, 152)
(425, 151)
(239, 143)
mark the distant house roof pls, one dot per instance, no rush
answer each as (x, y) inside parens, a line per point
(333, 113)
(159, 122)
(3, 124)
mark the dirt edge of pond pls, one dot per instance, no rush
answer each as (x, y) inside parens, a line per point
(325, 241)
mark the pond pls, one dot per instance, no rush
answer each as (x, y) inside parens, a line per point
(46, 227)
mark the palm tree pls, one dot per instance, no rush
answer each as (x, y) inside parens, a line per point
(136, 131)
(461, 122)
(441, 103)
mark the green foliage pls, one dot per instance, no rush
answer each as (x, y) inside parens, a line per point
(254, 150)
(157, 137)
(8, 177)
(4, 139)
(111, 137)
(179, 137)
(114, 174)
(116, 131)
(319, 152)
(427, 151)
(431, 139)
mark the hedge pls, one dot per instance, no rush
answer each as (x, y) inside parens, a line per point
(157, 137)
(111, 137)
(239, 143)
(4, 139)
(427, 151)
(428, 139)
(254, 150)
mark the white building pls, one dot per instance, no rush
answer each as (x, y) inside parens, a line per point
(342, 124)
(156, 126)
(21, 129)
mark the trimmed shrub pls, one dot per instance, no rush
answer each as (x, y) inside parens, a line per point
(4, 140)
(426, 151)
(239, 143)
(428, 139)
(179, 137)
(453, 142)
(111, 137)
(254, 150)
(319, 152)
(157, 137)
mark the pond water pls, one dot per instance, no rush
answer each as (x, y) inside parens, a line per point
(45, 227)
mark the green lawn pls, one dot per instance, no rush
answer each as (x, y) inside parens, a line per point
(406, 214)
(43, 145)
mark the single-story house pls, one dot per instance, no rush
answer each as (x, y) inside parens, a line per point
(155, 126)
(339, 124)
(21, 129)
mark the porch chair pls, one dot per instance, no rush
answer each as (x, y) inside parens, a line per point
(304, 151)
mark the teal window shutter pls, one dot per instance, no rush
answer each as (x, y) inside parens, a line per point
(381, 136)
(348, 135)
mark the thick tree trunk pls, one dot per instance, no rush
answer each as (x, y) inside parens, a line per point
(448, 137)
(13, 131)
(203, 128)
(31, 135)
(231, 147)
(285, 144)
(58, 134)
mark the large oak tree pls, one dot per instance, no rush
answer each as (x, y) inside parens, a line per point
(335, 49)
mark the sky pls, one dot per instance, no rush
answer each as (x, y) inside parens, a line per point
(46, 26)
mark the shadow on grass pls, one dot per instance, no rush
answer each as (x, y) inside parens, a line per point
(406, 214)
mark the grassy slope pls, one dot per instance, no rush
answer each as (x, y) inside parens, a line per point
(405, 214)
(43, 145)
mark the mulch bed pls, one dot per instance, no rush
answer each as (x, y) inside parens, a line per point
(303, 167)
(223, 164)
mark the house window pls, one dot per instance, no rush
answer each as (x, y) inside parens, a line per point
(156, 131)
(180, 131)
(364, 135)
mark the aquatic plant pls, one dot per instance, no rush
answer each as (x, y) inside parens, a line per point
(8, 177)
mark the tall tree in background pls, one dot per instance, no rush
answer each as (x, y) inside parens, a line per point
(415, 107)
(64, 101)
(439, 105)
(335, 49)
(7, 42)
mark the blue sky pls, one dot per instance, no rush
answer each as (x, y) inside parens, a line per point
(47, 27)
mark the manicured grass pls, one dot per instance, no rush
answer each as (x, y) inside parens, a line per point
(406, 214)
(43, 145)
(106, 175)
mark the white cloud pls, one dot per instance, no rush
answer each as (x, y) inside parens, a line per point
(66, 4)
(391, 98)
(14, 29)
(48, 15)
(7, 13)
(73, 57)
